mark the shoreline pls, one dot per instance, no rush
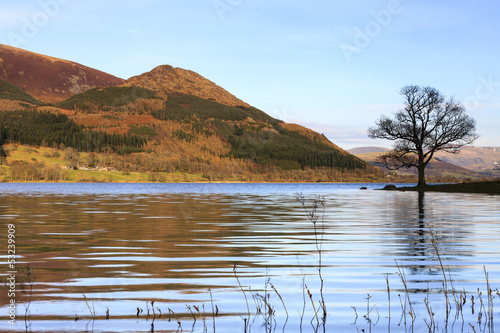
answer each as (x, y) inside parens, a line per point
(486, 187)
(193, 182)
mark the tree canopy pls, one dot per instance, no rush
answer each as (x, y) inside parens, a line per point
(429, 122)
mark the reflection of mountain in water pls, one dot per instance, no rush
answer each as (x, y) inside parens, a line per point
(171, 237)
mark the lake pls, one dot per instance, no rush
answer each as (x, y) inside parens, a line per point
(217, 252)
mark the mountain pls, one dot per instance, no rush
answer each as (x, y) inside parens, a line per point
(479, 159)
(245, 132)
(47, 78)
(436, 168)
(166, 78)
(484, 159)
(173, 120)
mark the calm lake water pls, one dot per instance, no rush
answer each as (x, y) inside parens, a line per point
(126, 245)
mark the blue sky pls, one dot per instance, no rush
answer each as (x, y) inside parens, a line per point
(333, 66)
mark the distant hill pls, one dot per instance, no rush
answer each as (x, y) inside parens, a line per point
(47, 78)
(436, 168)
(473, 158)
(469, 157)
(497, 149)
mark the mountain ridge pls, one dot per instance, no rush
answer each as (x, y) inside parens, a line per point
(474, 158)
(471, 161)
(47, 78)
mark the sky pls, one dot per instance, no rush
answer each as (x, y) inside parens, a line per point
(333, 66)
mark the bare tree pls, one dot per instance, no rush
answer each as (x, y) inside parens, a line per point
(428, 123)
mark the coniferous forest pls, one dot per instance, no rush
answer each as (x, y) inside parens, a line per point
(33, 128)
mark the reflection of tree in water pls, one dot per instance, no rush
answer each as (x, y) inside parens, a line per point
(451, 231)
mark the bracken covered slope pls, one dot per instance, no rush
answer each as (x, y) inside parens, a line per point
(166, 78)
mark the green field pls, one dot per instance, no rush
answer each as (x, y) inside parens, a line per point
(44, 156)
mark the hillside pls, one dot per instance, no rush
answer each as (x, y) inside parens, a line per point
(436, 168)
(14, 98)
(47, 78)
(169, 121)
(483, 160)
(473, 158)
(246, 132)
(167, 79)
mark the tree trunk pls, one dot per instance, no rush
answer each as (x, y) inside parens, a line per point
(421, 167)
(421, 175)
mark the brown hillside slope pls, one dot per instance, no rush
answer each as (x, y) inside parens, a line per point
(49, 79)
(473, 158)
(478, 159)
(169, 79)
(435, 168)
